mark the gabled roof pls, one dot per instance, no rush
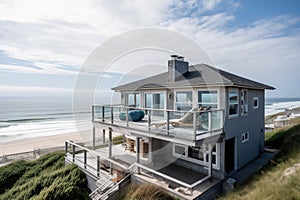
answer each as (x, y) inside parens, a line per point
(200, 75)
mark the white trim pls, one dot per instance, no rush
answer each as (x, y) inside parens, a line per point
(193, 160)
(238, 103)
(244, 109)
(245, 137)
(257, 99)
(209, 89)
(182, 90)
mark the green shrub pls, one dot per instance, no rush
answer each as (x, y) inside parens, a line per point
(10, 173)
(146, 191)
(47, 178)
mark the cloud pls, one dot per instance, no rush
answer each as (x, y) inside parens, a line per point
(57, 36)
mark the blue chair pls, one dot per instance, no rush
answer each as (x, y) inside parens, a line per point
(133, 115)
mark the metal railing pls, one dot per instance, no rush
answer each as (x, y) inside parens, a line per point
(182, 124)
(133, 168)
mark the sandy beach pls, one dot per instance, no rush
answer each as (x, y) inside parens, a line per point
(29, 144)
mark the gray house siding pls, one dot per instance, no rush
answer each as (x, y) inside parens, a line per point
(251, 123)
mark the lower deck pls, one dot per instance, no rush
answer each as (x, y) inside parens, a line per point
(176, 179)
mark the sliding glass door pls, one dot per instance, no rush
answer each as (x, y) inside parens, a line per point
(156, 101)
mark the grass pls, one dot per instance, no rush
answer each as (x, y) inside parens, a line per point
(270, 183)
(145, 191)
(45, 178)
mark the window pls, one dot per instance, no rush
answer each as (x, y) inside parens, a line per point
(245, 137)
(156, 101)
(255, 102)
(184, 100)
(133, 99)
(179, 150)
(244, 102)
(199, 155)
(233, 102)
(208, 98)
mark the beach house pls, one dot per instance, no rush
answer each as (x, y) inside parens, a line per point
(186, 130)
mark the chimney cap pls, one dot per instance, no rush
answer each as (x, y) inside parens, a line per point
(181, 58)
(174, 57)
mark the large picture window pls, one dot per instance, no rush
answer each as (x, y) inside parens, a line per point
(233, 102)
(208, 98)
(184, 100)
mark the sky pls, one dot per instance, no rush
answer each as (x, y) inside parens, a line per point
(43, 44)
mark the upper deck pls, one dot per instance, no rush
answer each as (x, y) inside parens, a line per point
(188, 127)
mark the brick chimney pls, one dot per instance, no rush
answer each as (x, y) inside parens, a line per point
(177, 67)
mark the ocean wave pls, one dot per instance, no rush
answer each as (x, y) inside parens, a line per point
(36, 129)
(280, 107)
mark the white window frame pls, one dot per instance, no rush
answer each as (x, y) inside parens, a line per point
(193, 160)
(134, 93)
(245, 137)
(238, 104)
(244, 102)
(151, 93)
(183, 90)
(208, 90)
(255, 99)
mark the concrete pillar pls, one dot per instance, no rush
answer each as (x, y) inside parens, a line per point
(94, 138)
(138, 152)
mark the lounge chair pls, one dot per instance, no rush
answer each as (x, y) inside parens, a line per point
(185, 121)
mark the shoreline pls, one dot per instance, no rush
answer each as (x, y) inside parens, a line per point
(41, 142)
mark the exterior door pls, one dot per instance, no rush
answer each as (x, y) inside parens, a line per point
(229, 155)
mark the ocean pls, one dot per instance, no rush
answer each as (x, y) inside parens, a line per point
(26, 117)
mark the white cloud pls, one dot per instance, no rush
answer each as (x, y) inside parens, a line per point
(55, 33)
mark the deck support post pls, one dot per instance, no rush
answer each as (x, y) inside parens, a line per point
(210, 161)
(150, 149)
(66, 147)
(98, 165)
(138, 153)
(84, 159)
(103, 136)
(73, 152)
(94, 138)
(110, 148)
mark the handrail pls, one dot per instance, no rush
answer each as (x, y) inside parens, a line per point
(152, 109)
(95, 154)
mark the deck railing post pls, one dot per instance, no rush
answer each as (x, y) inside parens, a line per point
(127, 118)
(103, 136)
(195, 123)
(209, 121)
(73, 148)
(98, 165)
(168, 122)
(93, 113)
(94, 138)
(66, 147)
(103, 114)
(149, 119)
(84, 158)
(112, 114)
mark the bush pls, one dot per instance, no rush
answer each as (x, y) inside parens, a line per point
(45, 178)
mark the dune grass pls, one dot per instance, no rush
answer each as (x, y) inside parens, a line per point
(45, 178)
(145, 191)
(271, 183)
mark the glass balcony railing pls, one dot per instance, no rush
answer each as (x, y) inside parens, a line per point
(181, 124)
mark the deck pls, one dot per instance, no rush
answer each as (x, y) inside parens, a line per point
(176, 179)
(189, 126)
